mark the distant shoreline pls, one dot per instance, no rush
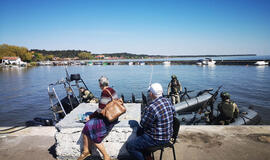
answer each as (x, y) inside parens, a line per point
(223, 55)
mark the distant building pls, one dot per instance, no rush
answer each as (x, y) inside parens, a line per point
(100, 56)
(56, 59)
(12, 60)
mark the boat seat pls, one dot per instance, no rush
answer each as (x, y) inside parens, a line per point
(170, 144)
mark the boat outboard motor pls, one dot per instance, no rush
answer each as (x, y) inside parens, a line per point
(75, 77)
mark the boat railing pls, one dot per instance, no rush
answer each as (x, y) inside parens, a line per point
(54, 100)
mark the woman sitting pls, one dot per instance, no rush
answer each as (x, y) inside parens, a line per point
(98, 127)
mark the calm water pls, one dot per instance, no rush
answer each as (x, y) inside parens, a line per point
(24, 91)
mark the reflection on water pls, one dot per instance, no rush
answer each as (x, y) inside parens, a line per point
(261, 68)
(208, 70)
(24, 90)
(261, 71)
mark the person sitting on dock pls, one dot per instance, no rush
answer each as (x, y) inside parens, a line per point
(228, 109)
(86, 96)
(174, 88)
(98, 127)
(156, 122)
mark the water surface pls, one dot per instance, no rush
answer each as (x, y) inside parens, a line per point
(24, 90)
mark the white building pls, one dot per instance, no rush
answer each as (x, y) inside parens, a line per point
(12, 60)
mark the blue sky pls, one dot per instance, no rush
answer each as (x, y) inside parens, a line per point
(164, 27)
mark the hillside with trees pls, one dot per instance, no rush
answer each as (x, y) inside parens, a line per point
(61, 53)
(22, 52)
(15, 51)
(35, 55)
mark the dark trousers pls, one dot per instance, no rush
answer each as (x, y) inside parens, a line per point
(136, 146)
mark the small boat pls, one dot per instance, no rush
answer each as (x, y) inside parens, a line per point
(206, 61)
(142, 63)
(130, 63)
(261, 63)
(193, 104)
(247, 116)
(71, 84)
(166, 63)
(90, 63)
(187, 104)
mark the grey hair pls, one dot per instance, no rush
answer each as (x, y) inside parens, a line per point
(103, 81)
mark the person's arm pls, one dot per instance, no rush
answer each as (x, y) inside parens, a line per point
(85, 94)
(236, 112)
(169, 89)
(95, 114)
(180, 86)
(148, 117)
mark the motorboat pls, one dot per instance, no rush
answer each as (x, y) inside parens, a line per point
(206, 61)
(62, 106)
(261, 63)
(166, 63)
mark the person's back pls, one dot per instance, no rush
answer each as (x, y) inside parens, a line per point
(228, 109)
(156, 122)
(158, 119)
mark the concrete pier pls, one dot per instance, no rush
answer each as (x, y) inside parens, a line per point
(64, 141)
(27, 143)
(69, 139)
(194, 143)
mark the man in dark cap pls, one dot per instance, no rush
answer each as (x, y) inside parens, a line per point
(174, 88)
(228, 109)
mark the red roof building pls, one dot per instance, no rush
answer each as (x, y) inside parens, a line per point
(11, 58)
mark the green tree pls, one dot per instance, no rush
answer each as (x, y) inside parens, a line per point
(15, 51)
(49, 57)
(85, 55)
(38, 57)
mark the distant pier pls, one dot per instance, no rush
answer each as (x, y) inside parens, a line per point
(145, 62)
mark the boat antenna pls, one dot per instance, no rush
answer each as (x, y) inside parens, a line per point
(67, 75)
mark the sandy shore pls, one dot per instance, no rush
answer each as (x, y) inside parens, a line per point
(194, 143)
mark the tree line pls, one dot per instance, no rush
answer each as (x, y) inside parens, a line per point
(35, 55)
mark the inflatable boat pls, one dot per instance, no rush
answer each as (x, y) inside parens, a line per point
(247, 116)
(193, 104)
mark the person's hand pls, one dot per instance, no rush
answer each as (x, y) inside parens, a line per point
(87, 118)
